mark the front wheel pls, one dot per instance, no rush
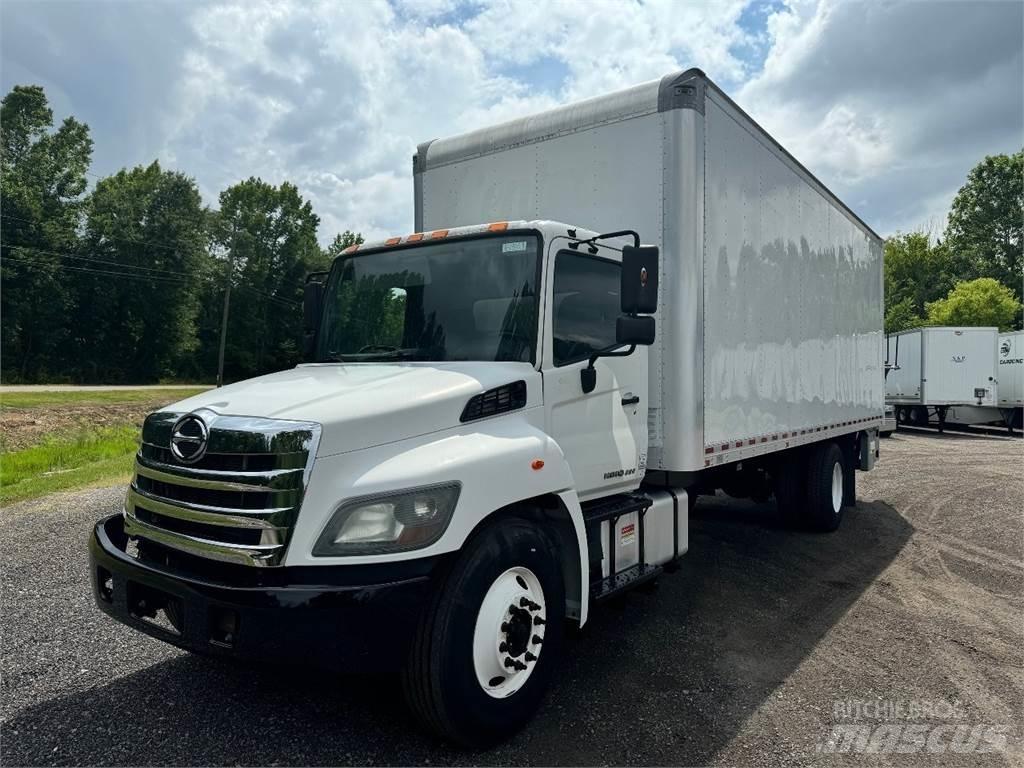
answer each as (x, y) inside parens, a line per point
(486, 647)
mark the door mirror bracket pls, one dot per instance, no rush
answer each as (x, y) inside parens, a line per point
(638, 295)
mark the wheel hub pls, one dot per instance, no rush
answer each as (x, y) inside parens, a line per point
(520, 626)
(509, 632)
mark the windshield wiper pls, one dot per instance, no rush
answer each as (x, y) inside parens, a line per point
(379, 352)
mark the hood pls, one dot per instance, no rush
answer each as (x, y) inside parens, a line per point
(360, 405)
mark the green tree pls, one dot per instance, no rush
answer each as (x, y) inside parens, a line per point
(981, 302)
(986, 222)
(340, 242)
(266, 238)
(901, 316)
(42, 180)
(916, 272)
(145, 228)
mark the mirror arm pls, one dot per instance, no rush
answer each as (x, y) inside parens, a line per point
(588, 375)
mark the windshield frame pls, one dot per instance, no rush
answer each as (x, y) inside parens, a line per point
(338, 265)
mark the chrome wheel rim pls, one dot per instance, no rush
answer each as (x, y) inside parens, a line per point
(509, 634)
(837, 487)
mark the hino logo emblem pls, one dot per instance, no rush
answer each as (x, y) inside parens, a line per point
(1004, 348)
(643, 277)
(189, 437)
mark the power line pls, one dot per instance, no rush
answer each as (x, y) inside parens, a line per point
(155, 244)
(134, 275)
(119, 239)
(93, 259)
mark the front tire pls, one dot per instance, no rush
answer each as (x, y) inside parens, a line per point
(487, 645)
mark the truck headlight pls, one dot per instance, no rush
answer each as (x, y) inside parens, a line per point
(389, 522)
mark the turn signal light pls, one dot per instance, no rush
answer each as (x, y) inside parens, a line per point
(537, 464)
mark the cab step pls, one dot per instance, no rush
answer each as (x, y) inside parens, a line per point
(614, 507)
(619, 582)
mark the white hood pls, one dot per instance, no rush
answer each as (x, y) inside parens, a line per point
(361, 405)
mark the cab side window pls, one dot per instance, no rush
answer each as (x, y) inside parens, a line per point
(586, 305)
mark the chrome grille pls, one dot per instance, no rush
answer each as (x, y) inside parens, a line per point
(238, 503)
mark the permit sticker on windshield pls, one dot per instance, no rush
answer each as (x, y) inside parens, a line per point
(516, 246)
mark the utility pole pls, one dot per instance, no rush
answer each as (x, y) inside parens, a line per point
(227, 305)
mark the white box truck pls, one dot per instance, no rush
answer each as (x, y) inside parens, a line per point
(935, 370)
(507, 414)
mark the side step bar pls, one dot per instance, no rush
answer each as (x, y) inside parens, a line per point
(615, 506)
(619, 582)
(611, 509)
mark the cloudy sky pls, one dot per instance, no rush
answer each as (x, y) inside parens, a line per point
(890, 104)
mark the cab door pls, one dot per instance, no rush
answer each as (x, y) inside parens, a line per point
(602, 433)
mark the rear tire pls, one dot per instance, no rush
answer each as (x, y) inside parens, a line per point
(826, 481)
(456, 684)
(789, 483)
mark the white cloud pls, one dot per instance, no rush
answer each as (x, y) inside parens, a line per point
(890, 104)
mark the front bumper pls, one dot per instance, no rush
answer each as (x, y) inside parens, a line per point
(348, 618)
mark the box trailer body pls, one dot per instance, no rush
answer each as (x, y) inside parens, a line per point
(1008, 386)
(942, 366)
(770, 303)
(1011, 370)
(506, 416)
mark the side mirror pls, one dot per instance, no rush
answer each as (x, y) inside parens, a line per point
(312, 306)
(638, 291)
(638, 297)
(634, 330)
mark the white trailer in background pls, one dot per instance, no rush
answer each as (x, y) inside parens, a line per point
(934, 370)
(1011, 378)
(1009, 388)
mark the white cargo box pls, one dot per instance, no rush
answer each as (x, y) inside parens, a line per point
(942, 366)
(1011, 370)
(770, 307)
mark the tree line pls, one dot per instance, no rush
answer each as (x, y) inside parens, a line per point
(973, 274)
(127, 282)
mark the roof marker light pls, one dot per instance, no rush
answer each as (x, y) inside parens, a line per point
(414, 238)
(437, 234)
(498, 226)
(352, 248)
(393, 241)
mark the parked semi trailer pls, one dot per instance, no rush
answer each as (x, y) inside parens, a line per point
(606, 310)
(1008, 352)
(943, 374)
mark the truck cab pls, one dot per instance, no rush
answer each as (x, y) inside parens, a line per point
(450, 473)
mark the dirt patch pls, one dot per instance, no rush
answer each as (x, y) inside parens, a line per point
(22, 428)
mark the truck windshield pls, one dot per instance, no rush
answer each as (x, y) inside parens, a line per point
(467, 299)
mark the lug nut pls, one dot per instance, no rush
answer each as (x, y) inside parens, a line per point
(529, 656)
(538, 621)
(502, 647)
(505, 626)
(510, 663)
(537, 640)
(527, 603)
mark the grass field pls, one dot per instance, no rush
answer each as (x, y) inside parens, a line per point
(55, 441)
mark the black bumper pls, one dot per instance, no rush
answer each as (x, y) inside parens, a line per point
(350, 618)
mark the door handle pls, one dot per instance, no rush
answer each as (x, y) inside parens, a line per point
(631, 400)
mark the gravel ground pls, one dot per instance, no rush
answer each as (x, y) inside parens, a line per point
(738, 658)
